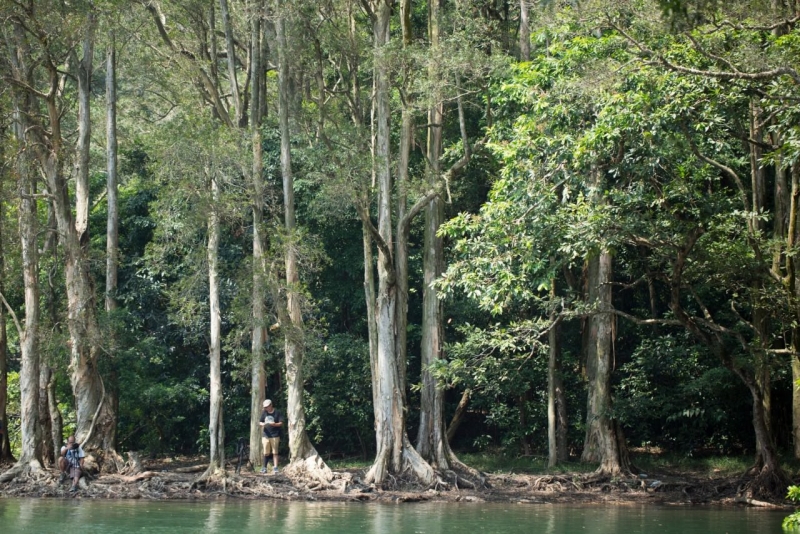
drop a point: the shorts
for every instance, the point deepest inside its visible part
(270, 445)
(74, 472)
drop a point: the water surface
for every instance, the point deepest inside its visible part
(65, 516)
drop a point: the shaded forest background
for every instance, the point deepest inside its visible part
(616, 186)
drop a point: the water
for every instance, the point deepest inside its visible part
(241, 517)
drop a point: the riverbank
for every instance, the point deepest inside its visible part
(175, 479)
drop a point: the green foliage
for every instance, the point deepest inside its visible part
(792, 521)
(338, 410)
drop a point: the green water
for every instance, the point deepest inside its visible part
(241, 517)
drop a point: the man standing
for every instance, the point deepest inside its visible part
(71, 463)
(271, 421)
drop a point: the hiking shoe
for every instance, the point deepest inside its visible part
(73, 489)
(274, 470)
(62, 478)
(263, 470)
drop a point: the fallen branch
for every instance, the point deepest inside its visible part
(761, 504)
(132, 478)
(191, 469)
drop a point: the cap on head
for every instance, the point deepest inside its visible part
(267, 403)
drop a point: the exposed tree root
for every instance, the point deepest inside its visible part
(191, 469)
(767, 484)
(311, 470)
(465, 474)
(23, 469)
(214, 476)
(133, 466)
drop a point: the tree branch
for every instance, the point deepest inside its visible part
(720, 75)
(13, 316)
(376, 235)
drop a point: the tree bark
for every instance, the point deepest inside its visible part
(432, 438)
(82, 198)
(258, 374)
(394, 451)
(48, 448)
(305, 461)
(554, 352)
(458, 416)
(5, 444)
(112, 222)
(216, 429)
(602, 442)
(524, 31)
(31, 456)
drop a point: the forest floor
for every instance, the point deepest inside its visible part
(174, 478)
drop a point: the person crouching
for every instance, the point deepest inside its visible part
(70, 463)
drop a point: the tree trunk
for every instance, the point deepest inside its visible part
(458, 416)
(561, 412)
(56, 422)
(602, 443)
(216, 429)
(231, 55)
(305, 461)
(48, 448)
(5, 444)
(554, 350)
(795, 395)
(96, 420)
(524, 31)
(82, 199)
(431, 441)
(258, 374)
(369, 295)
(394, 451)
(31, 456)
(112, 224)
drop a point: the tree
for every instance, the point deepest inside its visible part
(395, 452)
(30, 460)
(305, 461)
(95, 417)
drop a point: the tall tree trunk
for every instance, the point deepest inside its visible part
(305, 461)
(554, 350)
(602, 442)
(258, 374)
(562, 424)
(5, 444)
(369, 295)
(432, 438)
(216, 429)
(112, 220)
(96, 420)
(31, 456)
(394, 451)
(112, 224)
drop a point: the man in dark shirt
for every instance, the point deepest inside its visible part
(271, 421)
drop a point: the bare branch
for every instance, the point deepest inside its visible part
(20, 331)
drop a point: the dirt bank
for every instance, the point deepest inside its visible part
(174, 479)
